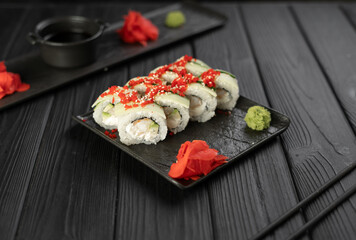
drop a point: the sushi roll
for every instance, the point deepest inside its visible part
(180, 67)
(187, 64)
(226, 87)
(140, 83)
(167, 99)
(164, 73)
(140, 123)
(202, 99)
(175, 107)
(104, 114)
(196, 67)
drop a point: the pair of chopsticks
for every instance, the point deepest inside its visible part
(265, 231)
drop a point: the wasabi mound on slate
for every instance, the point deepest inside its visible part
(258, 118)
(175, 19)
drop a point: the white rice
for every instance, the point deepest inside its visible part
(109, 123)
(208, 98)
(132, 115)
(228, 83)
(167, 100)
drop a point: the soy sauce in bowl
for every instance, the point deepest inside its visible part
(67, 37)
(67, 42)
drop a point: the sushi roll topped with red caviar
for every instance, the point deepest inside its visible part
(140, 83)
(179, 68)
(171, 95)
(175, 106)
(225, 85)
(104, 113)
(202, 99)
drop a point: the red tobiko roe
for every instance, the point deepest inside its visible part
(209, 77)
(194, 159)
(137, 29)
(10, 82)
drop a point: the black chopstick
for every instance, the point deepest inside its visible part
(304, 202)
(323, 213)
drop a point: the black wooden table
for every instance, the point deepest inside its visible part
(60, 181)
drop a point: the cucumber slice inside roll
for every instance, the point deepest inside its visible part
(108, 107)
(106, 115)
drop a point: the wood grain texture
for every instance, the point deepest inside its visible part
(23, 129)
(59, 181)
(72, 193)
(350, 12)
(333, 40)
(11, 20)
(245, 198)
(296, 85)
(147, 200)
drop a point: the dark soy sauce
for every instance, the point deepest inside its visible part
(67, 37)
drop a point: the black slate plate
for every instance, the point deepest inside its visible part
(226, 133)
(43, 78)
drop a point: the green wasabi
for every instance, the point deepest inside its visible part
(258, 118)
(175, 19)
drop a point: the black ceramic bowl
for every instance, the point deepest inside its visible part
(67, 42)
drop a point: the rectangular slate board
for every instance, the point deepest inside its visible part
(111, 50)
(227, 133)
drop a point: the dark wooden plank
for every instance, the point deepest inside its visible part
(149, 207)
(349, 9)
(21, 130)
(11, 20)
(245, 198)
(72, 193)
(333, 40)
(319, 142)
(73, 190)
